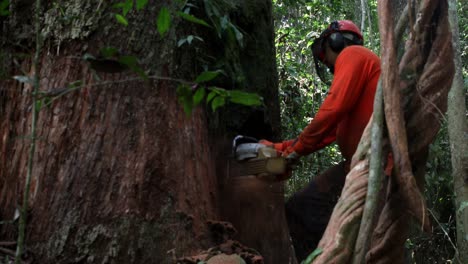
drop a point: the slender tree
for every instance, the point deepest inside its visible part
(457, 127)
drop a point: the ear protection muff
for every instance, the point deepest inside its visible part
(336, 41)
(336, 38)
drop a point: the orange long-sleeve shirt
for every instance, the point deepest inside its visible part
(348, 106)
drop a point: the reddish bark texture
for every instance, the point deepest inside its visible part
(121, 174)
(415, 96)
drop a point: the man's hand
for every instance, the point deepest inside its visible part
(278, 146)
(291, 156)
(280, 150)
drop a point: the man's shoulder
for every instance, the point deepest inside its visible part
(356, 52)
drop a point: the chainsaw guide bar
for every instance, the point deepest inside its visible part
(255, 159)
(260, 166)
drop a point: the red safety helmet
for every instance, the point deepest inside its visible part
(338, 35)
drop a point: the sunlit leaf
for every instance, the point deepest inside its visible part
(164, 21)
(121, 19)
(24, 79)
(181, 42)
(17, 214)
(193, 19)
(189, 39)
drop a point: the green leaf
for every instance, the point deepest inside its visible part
(189, 39)
(23, 79)
(141, 4)
(312, 256)
(125, 6)
(121, 19)
(206, 76)
(199, 95)
(47, 101)
(249, 99)
(164, 21)
(210, 96)
(193, 19)
(217, 102)
(185, 98)
(238, 34)
(132, 63)
(4, 8)
(39, 104)
(108, 52)
(219, 91)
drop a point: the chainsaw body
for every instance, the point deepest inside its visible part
(254, 159)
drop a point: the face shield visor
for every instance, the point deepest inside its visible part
(324, 72)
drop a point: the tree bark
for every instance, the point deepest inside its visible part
(457, 127)
(121, 174)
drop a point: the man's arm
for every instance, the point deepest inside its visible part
(344, 92)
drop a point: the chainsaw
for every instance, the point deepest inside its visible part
(254, 159)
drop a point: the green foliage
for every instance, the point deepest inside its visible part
(191, 97)
(121, 19)
(207, 76)
(193, 19)
(437, 248)
(188, 96)
(164, 21)
(141, 4)
(125, 6)
(4, 4)
(463, 30)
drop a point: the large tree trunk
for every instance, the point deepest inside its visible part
(121, 174)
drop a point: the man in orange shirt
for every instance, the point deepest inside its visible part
(342, 117)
